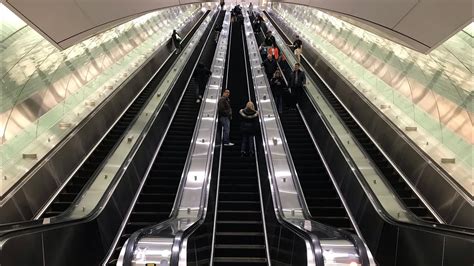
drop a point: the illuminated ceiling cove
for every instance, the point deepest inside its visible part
(420, 25)
(67, 22)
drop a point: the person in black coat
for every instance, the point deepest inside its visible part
(297, 82)
(201, 75)
(269, 39)
(277, 84)
(248, 128)
(176, 39)
(270, 66)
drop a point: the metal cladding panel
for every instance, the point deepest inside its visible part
(383, 12)
(419, 25)
(434, 21)
(67, 22)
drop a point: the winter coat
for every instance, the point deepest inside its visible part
(277, 85)
(201, 74)
(269, 41)
(270, 66)
(249, 122)
(224, 108)
(273, 51)
(297, 83)
(176, 39)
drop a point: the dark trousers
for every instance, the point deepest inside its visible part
(279, 102)
(247, 144)
(297, 93)
(201, 86)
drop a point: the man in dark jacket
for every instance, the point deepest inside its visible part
(248, 128)
(201, 75)
(270, 66)
(269, 39)
(297, 82)
(225, 115)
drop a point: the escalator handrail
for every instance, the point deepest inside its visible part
(155, 230)
(438, 228)
(38, 225)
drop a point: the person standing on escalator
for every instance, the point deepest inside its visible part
(201, 75)
(270, 65)
(273, 51)
(298, 46)
(269, 39)
(277, 85)
(176, 39)
(225, 115)
(297, 82)
(248, 129)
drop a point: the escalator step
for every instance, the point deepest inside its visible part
(230, 261)
(229, 215)
(239, 226)
(229, 250)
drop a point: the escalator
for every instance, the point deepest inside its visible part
(156, 198)
(80, 178)
(83, 175)
(321, 197)
(399, 185)
(239, 229)
(394, 178)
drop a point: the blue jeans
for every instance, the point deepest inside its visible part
(247, 144)
(225, 122)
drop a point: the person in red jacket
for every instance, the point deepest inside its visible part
(274, 52)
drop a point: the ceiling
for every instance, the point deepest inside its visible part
(420, 25)
(67, 22)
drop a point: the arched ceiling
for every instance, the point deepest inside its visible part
(419, 24)
(67, 22)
